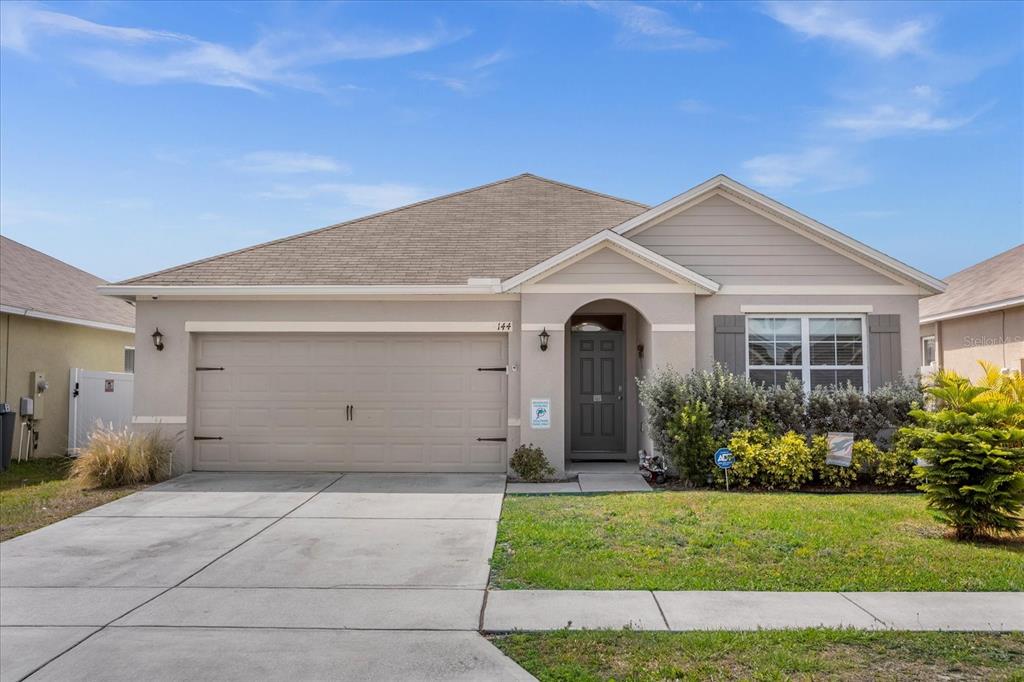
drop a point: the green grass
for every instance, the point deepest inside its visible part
(37, 493)
(702, 540)
(767, 655)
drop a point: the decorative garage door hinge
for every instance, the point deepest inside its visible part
(209, 369)
(496, 440)
(207, 437)
(492, 369)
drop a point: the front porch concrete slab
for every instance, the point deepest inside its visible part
(69, 605)
(161, 654)
(553, 488)
(963, 611)
(362, 609)
(120, 552)
(760, 610)
(220, 494)
(613, 483)
(23, 649)
(298, 552)
(577, 610)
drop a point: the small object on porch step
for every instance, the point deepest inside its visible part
(653, 466)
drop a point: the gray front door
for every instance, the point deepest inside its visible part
(598, 393)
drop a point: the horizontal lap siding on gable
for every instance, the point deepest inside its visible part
(730, 244)
(603, 267)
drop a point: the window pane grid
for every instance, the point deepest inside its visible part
(817, 350)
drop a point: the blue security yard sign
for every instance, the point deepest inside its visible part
(724, 460)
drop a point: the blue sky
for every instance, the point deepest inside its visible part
(136, 136)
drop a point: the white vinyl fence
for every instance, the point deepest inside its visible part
(97, 397)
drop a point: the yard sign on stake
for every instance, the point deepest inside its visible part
(724, 459)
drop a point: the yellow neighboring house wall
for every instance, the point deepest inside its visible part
(997, 337)
(30, 344)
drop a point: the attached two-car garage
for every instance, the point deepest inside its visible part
(350, 402)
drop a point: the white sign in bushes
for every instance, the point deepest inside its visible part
(840, 449)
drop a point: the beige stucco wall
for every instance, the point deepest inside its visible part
(997, 337)
(721, 304)
(163, 387)
(543, 373)
(30, 344)
(675, 328)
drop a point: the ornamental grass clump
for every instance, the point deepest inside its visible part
(973, 449)
(120, 457)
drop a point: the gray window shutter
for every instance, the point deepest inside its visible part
(730, 336)
(885, 351)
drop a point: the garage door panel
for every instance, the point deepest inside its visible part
(419, 402)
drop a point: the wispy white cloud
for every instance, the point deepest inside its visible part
(376, 197)
(287, 163)
(884, 120)
(146, 56)
(843, 23)
(650, 28)
(820, 169)
(468, 77)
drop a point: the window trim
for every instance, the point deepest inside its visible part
(125, 357)
(805, 346)
(935, 348)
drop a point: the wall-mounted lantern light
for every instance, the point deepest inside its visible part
(158, 339)
(544, 336)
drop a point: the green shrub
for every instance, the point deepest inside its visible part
(895, 467)
(693, 446)
(735, 403)
(769, 461)
(660, 396)
(530, 464)
(874, 416)
(974, 449)
(786, 409)
(115, 458)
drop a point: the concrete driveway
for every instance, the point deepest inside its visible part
(260, 576)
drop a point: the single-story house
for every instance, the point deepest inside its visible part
(441, 335)
(53, 319)
(979, 317)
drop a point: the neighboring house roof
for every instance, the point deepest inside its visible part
(37, 285)
(493, 231)
(992, 284)
(784, 215)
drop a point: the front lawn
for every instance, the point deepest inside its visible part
(787, 654)
(705, 540)
(37, 493)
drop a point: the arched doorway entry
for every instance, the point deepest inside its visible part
(604, 353)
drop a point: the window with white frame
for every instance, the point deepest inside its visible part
(817, 350)
(928, 350)
(129, 359)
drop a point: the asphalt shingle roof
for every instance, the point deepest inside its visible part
(31, 280)
(997, 279)
(496, 230)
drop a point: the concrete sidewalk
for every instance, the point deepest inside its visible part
(508, 610)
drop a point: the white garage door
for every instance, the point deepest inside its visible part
(350, 402)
